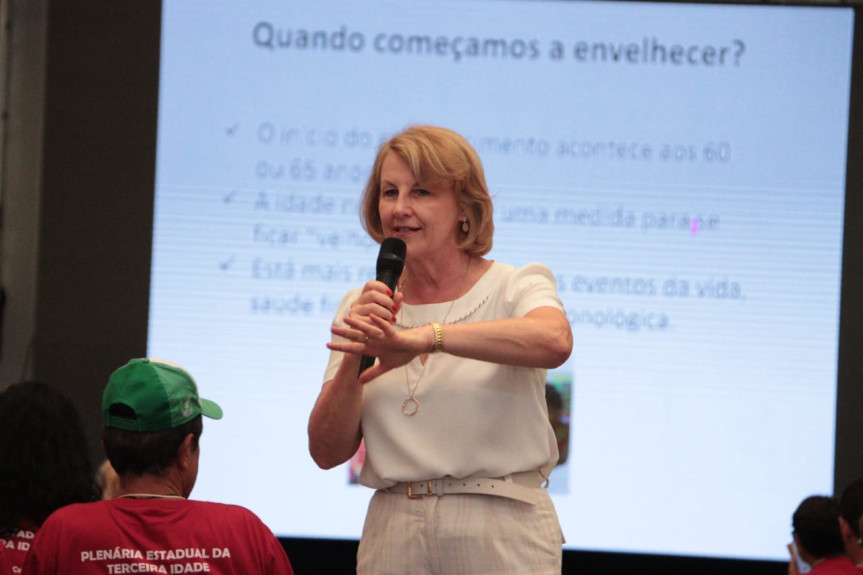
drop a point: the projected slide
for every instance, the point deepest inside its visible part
(681, 169)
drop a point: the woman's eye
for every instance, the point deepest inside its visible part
(421, 192)
(389, 192)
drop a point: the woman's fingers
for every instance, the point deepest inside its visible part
(369, 327)
(365, 329)
(355, 337)
(376, 299)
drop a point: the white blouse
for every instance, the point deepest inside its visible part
(475, 418)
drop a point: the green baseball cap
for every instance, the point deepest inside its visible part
(153, 395)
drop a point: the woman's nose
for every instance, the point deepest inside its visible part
(402, 206)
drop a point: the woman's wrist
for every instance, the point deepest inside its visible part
(437, 338)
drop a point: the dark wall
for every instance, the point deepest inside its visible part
(97, 197)
(96, 218)
(849, 400)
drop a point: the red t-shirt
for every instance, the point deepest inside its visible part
(836, 566)
(13, 549)
(5, 567)
(155, 536)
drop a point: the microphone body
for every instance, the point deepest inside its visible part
(391, 262)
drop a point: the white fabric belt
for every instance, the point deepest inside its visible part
(520, 486)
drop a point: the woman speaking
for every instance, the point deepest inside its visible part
(453, 413)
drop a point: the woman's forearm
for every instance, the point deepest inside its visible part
(334, 424)
(542, 338)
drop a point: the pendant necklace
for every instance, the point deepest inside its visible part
(411, 405)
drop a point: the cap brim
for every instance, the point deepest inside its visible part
(210, 409)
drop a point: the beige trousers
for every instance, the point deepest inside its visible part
(460, 535)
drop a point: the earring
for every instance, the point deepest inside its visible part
(465, 226)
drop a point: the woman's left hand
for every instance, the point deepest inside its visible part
(392, 347)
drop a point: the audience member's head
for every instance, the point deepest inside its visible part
(152, 422)
(44, 456)
(816, 528)
(851, 512)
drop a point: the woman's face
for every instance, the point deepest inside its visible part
(425, 217)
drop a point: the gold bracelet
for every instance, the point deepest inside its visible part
(438, 338)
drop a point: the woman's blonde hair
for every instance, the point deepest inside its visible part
(436, 154)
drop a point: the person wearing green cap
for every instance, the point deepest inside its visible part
(152, 417)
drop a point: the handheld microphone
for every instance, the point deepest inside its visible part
(391, 262)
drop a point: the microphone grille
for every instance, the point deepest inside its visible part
(391, 258)
(394, 247)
